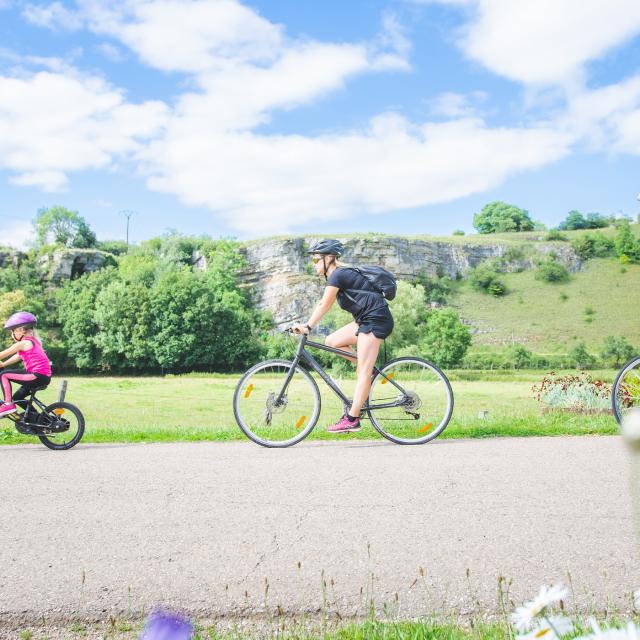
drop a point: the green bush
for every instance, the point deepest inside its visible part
(436, 289)
(551, 271)
(627, 246)
(486, 278)
(556, 235)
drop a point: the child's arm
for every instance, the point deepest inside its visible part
(11, 360)
(16, 347)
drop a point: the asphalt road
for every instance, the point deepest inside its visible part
(232, 529)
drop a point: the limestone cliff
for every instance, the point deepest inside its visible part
(278, 267)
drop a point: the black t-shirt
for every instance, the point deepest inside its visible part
(365, 303)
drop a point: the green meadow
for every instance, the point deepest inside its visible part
(199, 407)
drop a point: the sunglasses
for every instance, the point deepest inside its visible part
(315, 260)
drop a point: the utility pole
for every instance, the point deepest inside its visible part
(128, 213)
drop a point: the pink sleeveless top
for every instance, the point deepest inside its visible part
(35, 360)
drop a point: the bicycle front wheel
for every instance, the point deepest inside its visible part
(421, 399)
(271, 414)
(626, 389)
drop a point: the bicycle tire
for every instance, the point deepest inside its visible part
(615, 390)
(52, 444)
(374, 415)
(242, 421)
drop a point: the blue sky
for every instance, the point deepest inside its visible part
(248, 119)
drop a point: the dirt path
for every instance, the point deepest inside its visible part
(224, 529)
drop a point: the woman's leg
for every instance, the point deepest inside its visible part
(368, 347)
(343, 339)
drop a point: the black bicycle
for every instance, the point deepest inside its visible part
(277, 402)
(59, 425)
(626, 389)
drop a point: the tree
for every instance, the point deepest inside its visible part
(500, 217)
(76, 307)
(122, 317)
(626, 243)
(518, 357)
(616, 350)
(410, 316)
(446, 339)
(580, 357)
(62, 226)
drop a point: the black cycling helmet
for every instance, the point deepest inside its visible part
(327, 247)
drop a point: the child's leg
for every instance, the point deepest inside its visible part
(7, 377)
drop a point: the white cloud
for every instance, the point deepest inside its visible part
(546, 41)
(18, 235)
(111, 52)
(456, 105)
(191, 36)
(268, 183)
(608, 119)
(209, 151)
(54, 16)
(53, 123)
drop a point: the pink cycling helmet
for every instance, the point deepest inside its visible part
(21, 319)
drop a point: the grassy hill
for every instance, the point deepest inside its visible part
(598, 301)
(601, 299)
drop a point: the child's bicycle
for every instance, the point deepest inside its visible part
(626, 389)
(59, 425)
(277, 402)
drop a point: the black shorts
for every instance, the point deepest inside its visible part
(380, 324)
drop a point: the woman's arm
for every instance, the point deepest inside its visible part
(328, 298)
(11, 360)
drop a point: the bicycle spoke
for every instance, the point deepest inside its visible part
(271, 414)
(423, 403)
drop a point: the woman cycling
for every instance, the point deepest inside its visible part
(372, 321)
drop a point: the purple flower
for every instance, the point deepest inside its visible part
(163, 625)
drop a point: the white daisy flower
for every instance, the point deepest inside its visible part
(523, 618)
(550, 628)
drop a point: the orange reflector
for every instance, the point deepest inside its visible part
(387, 378)
(426, 427)
(58, 412)
(300, 422)
(247, 393)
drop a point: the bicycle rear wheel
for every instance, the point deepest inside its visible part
(265, 419)
(626, 389)
(423, 398)
(63, 424)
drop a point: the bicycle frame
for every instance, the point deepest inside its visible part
(303, 354)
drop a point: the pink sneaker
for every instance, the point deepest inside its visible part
(344, 425)
(6, 409)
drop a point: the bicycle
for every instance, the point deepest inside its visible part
(59, 425)
(625, 394)
(277, 402)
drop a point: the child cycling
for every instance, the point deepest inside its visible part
(28, 348)
(372, 321)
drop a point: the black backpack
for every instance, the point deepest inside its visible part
(380, 279)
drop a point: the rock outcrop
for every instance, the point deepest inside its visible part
(67, 264)
(278, 268)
